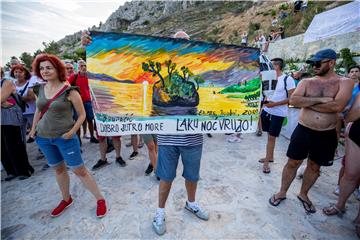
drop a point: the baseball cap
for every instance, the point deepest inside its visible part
(322, 54)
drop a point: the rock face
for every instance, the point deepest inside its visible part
(163, 18)
(295, 48)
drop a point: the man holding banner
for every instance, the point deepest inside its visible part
(189, 146)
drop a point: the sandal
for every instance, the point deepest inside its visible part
(276, 201)
(258, 133)
(262, 160)
(266, 170)
(333, 210)
(308, 206)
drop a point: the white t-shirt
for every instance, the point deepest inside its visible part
(279, 95)
(31, 107)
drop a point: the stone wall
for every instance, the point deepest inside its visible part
(293, 47)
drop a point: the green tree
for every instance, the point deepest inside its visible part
(27, 59)
(51, 47)
(37, 52)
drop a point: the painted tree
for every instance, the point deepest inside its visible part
(155, 69)
(186, 73)
(198, 79)
(170, 68)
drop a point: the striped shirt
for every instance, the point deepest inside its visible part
(180, 140)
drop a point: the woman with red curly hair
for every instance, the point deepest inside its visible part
(55, 129)
(24, 88)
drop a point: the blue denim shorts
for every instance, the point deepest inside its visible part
(88, 110)
(168, 158)
(56, 150)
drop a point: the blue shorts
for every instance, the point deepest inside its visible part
(271, 123)
(168, 158)
(88, 110)
(56, 150)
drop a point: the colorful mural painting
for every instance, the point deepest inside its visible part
(145, 84)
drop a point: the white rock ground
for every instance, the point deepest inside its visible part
(232, 188)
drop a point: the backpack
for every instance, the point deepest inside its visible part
(21, 103)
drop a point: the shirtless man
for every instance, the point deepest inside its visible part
(320, 98)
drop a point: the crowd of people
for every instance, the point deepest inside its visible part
(53, 103)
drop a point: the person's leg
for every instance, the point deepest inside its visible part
(84, 127)
(288, 175)
(6, 158)
(351, 177)
(117, 146)
(164, 190)
(166, 170)
(152, 153)
(17, 149)
(134, 142)
(91, 127)
(102, 148)
(191, 190)
(63, 180)
(270, 146)
(341, 174)
(191, 158)
(311, 174)
(88, 181)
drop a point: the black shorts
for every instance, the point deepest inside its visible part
(318, 146)
(271, 123)
(354, 133)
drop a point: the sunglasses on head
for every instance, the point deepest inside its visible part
(318, 63)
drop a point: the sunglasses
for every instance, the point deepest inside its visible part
(318, 63)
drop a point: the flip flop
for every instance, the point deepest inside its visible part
(266, 170)
(262, 160)
(307, 206)
(276, 201)
(333, 210)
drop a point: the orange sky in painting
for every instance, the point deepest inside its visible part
(125, 65)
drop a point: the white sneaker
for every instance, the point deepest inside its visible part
(158, 223)
(234, 138)
(357, 194)
(87, 136)
(337, 190)
(197, 210)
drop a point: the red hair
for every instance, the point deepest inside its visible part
(54, 60)
(21, 68)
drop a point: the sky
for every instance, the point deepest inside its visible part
(26, 24)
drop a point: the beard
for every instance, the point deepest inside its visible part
(323, 71)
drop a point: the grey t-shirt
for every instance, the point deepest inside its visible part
(58, 119)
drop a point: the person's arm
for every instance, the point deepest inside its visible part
(298, 99)
(342, 97)
(283, 102)
(30, 96)
(354, 112)
(35, 122)
(77, 103)
(6, 89)
(85, 38)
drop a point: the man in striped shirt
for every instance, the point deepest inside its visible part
(171, 147)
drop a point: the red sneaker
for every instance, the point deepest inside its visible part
(61, 207)
(101, 208)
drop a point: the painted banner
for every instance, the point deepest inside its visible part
(143, 84)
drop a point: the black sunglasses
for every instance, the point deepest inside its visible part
(318, 63)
